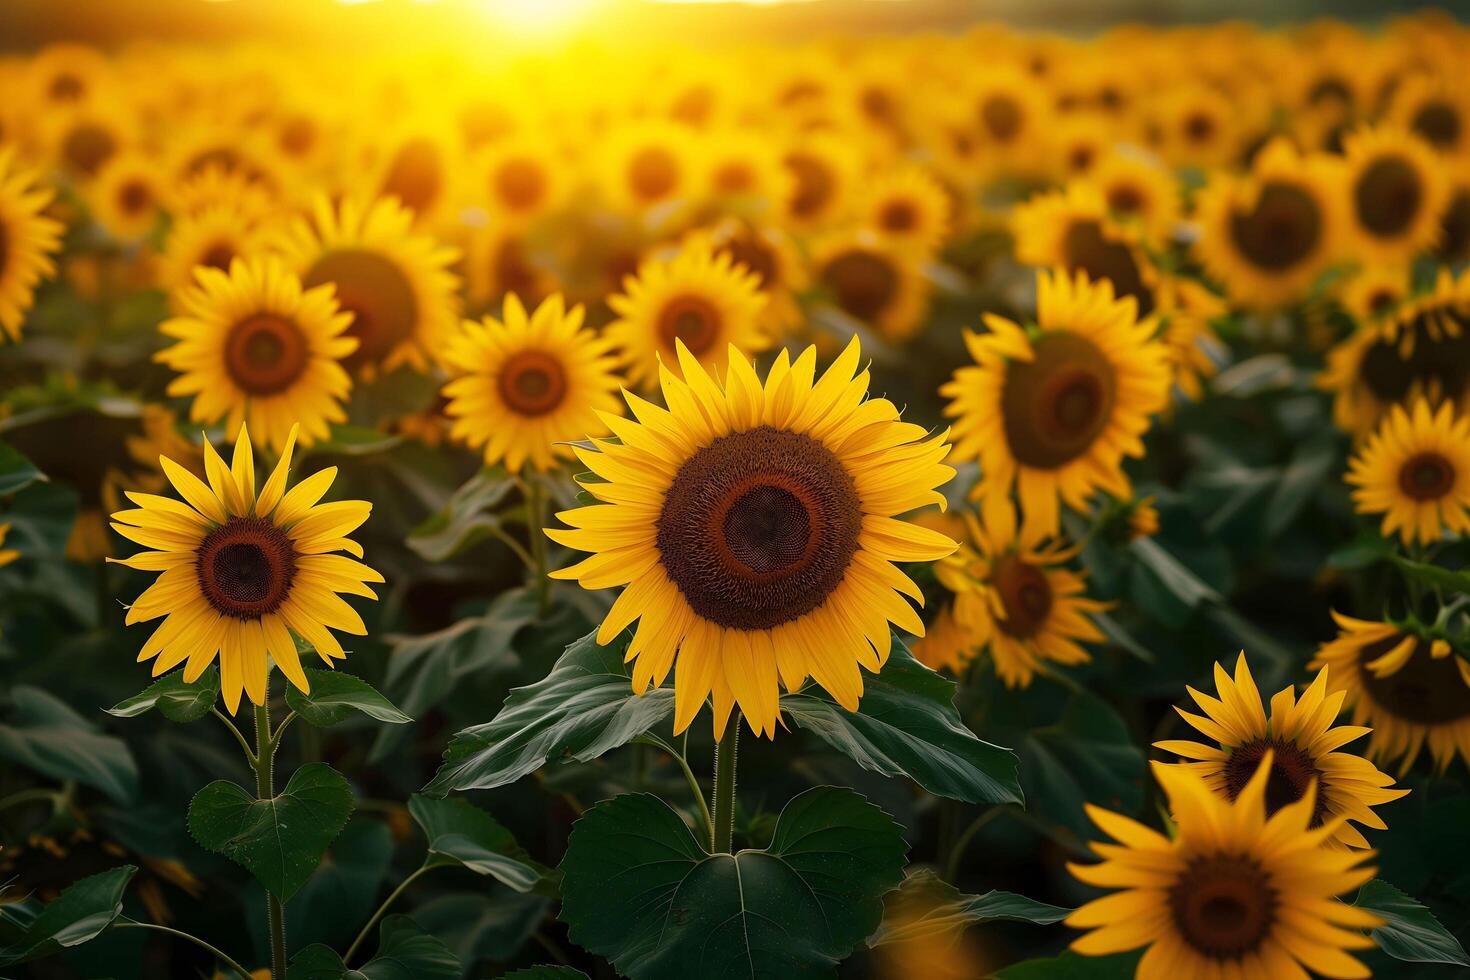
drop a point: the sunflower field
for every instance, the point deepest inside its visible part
(916, 505)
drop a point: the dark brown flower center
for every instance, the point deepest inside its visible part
(862, 282)
(1001, 117)
(416, 175)
(520, 184)
(815, 184)
(898, 216)
(1330, 89)
(1387, 195)
(265, 354)
(1081, 158)
(66, 87)
(1438, 365)
(758, 258)
(1425, 690)
(1055, 405)
(532, 383)
(218, 255)
(1125, 199)
(1086, 248)
(245, 567)
(758, 528)
(1025, 594)
(1224, 905)
(513, 271)
(87, 147)
(376, 292)
(134, 197)
(1199, 127)
(692, 319)
(297, 136)
(1292, 771)
(1282, 230)
(1439, 123)
(653, 173)
(1426, 476)
(734, 177)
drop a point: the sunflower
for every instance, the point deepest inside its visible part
(1080, 142)
(28, 241)
(648, 164)
(1454, 223)
(743, 172)
(254, 345)
(66, 74)
(81, 139)
(501, 259)
(1415, 471)
(1409, 687)
(773, 258)
(1422, 349)
(824, 177)
(215, 185)
(946, 645)
(529, 385)
(1198, 127)
(1234, 894)
(1303, 742)
(1139, 192)
(700, 299)
(241, 572)
(872, 281)
(521, 178)
(1073, 230)
(754, 527)
(416, 167)
(245, 155)
(1186, 309)
(1015, 598)
(1053, 409)
(909, 208)
(212, 237)
(395, 281)
(1268, 235)
(1397, 192)
(1012, 118)
(127, 195)
(1375, 291)
(1434, 109)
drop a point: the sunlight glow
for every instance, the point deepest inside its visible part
(537, 17)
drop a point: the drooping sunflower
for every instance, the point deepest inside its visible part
(909, 208)
(28, 241)
(528, 385)
(1415, 471)
(875, 282)
(1303, 742)
(1411, 688)
(1397, 191)
(1052, 410)
(254, 345)
(127, 195)
(1073, 230)
(241, 571)
(1267, 235)
(754, 526)
(1017, 600)
(394, 281)
(701, 299)
(1234, 894)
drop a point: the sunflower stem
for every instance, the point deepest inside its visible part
(722, 820)
(392, 897)
(265, 789)
(244, 745)
(535, 492)
(125, 923)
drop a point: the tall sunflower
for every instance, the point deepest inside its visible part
(1397, 191)
(28, 241)
(700, 298)
(1415, 471)
(529, 385)
(754, 526)
(242, 571)
(1051, 410)
(1303, 743)
(395, 281)
(253, 345)
(1411, 688)
(1234, 894)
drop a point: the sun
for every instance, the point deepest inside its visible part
(536, 18)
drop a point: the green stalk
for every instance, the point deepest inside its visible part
(265, 789)
(535, 492)
(722, 820)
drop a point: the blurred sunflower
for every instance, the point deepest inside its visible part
(501, 259)
(648, 164)
(1012, 117)
(1185, 309)
(28, 241)
(824, 177)
(945, 645)
(754, 527)
(241, 571)
(415, 166)
(1454, 223)
(700, 299)
(1397, 192)
(1139, 192)
(743, 173)
(1411, 689)
(772, 257)
(1073, 230)
(527, 386)
(67, 74)
(1375, 291)
(1415, 471)
(1267, 236)
(907, 207)
(1198, 127)
(254, 345)
(245, 155)
(394, 281)
(872, 281)
(1080, 141)
(1052, 409)
(1303, 743)
(1015, 599)
(522, 178)
(127, 196)
(1436, 110)
(1234, 894)
(212, 237)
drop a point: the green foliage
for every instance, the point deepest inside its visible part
(16, 472)
(1409, 931)
(468, 518)
(175, 700)
(43, 733)
(405, 952)
(335, 696)
(78, 915)
(1074, 966)
(461, 834)
(926, 905)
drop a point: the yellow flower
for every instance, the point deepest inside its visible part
(1415, 471)
(1073, 230)
(521, 179)
(7, 555)
(1139, 192)
(754, 527)
(241, 571)
(529, 385)
(28, 241)
(127, 195)
(908, 208)
(1376, 290)
(875, 282)
(1397, 192)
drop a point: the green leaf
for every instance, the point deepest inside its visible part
(927, 905)
(906, 725)
(546, 973)
(406, 952)
(1363, 551)
(580, 710)
(335, 696)
(319, 962)
(1312, 462)
(462, 834)
(490, 924)
(642, 892)
(16, 472)
(1074, 966)
(174, 699)
(1434, 577)
(355, 440)
(467, 519)
(1409, 931)
(1180, 582)
(281, 840)
(78, 915)
(43, 733)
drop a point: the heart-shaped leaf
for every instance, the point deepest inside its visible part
(78, 914)
(906, 725)
(43, 733)
(1410, 931)
(174, 699)
(642, 892)
(405, 952)
(281, 840)
(460, 833)
(927, 905)
(335, 696)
